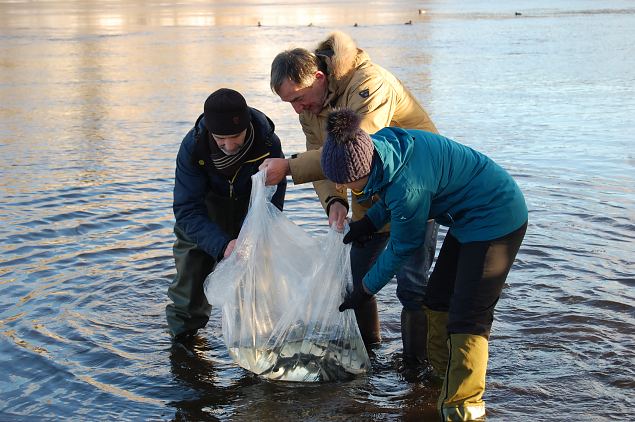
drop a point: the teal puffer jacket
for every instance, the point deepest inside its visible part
(417, 175)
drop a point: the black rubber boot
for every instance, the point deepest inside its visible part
(414, 334)
(185, 337)
(368, 322)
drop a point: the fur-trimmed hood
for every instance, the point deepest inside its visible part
(354, 82)
(340, 54)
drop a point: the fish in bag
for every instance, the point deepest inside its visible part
(279, 292)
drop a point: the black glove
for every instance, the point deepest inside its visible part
(360, 230)
(355, 299)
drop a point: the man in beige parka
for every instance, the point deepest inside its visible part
(338, 74)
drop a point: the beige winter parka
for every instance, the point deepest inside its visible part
(366, 88)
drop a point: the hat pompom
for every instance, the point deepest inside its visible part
(343, 125)
(347, 154)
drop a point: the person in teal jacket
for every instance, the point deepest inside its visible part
(414, 175)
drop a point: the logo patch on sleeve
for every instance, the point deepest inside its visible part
(364, 93)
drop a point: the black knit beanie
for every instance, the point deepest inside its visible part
(226, 112)
(347, 154)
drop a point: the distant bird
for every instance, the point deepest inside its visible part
(355, 25)
(259, 24)
(421, 11)
(408, 23)
(517, 13)
(310, 24)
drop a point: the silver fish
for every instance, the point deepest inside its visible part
(306, 361)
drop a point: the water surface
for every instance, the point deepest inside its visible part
(96, 97)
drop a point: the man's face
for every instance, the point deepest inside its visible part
(310, 98)
(230, 144)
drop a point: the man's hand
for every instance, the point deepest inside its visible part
(277, 169)
(337, 215)
(356, 298)
(230, 248)
(360, 230)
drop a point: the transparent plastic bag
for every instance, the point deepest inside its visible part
(279, 292)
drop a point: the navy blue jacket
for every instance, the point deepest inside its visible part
(209, 206)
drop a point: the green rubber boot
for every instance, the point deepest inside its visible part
(189, 309)
(437, 341)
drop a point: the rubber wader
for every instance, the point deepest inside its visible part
(437, 341)
(368, 322)
(414, 333)
(464, 383)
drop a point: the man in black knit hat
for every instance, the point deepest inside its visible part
(212, 187)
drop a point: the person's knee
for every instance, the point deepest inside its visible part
(479, 324)
(411, 299)
(437, 297)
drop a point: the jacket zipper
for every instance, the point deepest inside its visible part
(231, 182)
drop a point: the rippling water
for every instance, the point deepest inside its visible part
(96, 97)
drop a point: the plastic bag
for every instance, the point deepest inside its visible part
(279, 292)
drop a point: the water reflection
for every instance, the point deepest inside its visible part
(206, 398)
(118, 17)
